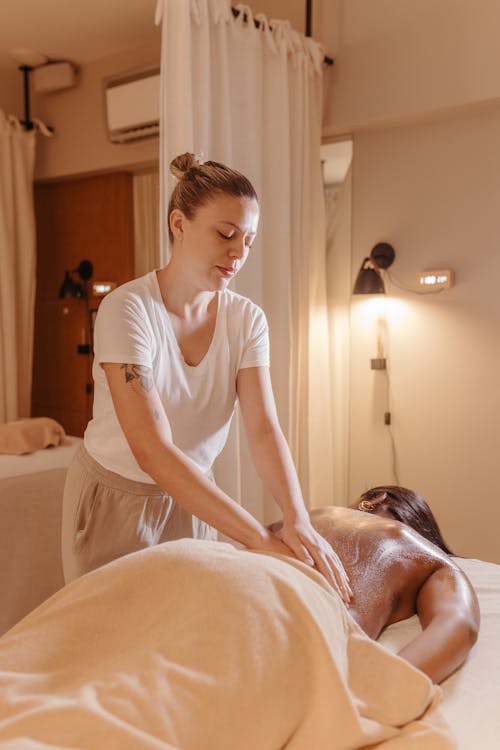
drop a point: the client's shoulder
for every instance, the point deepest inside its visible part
(356, 520)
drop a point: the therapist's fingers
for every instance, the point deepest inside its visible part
(313, 549)
(330, 565)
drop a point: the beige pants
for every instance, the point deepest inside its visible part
(106, 516)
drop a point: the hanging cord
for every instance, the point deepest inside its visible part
(390, 401)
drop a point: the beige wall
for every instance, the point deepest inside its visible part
(80, 144)
(401, 59)
(293, 10)
(433, 191)
(11, 94)
(417, 86)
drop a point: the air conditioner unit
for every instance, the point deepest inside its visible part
(132, 105)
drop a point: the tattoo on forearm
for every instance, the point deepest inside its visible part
(140, 374)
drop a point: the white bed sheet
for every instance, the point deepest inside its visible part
(31, 488)
(471, 696)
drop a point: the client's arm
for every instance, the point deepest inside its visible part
(449, 614)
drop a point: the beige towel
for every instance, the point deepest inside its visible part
(28, 435)
(194, 645)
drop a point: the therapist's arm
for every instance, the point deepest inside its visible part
(273, 461)
(146, 427)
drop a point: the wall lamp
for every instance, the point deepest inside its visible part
(72, 288)
(369, 279)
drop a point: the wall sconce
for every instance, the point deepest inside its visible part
(369, 279)
(72, 288)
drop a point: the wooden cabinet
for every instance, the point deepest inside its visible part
(88, 218)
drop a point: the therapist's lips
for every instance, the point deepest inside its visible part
(228, 273)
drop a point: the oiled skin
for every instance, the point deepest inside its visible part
(395, 573)
(386, 562)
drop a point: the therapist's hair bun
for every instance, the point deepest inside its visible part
(201, 181)
(183, 163)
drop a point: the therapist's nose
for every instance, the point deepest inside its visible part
(238, 249)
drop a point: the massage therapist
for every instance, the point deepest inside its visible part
(174, 350)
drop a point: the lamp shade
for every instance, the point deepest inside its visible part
(369, 280)
(84, 270)
(70, 288)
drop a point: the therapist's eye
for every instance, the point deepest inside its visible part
(225, 236)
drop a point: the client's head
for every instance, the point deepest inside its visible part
(405, 506)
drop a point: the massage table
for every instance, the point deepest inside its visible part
(31, 488)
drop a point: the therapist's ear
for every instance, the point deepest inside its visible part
(176, 222)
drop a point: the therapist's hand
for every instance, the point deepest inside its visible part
(313, 549)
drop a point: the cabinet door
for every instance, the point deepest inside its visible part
(88, 218)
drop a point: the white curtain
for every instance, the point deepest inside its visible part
(17, 267)
(252, 98)
(146, 192)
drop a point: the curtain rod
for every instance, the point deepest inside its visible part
(236, 12)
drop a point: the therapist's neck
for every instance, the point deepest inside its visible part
(183, 293)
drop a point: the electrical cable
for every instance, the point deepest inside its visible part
(389, 401)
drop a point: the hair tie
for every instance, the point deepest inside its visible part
(369, 505)
(366, 505)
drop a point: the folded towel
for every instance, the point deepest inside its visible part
(28, 435)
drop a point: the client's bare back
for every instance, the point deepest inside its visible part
(386, 561)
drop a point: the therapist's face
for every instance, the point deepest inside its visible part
(213, 246)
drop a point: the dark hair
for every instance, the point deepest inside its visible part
(407, 507)
(199, 182)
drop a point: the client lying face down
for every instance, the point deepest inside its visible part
(397, 571)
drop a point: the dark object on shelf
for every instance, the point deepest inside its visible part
(72, 288)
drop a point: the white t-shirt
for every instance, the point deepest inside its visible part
(133, 327)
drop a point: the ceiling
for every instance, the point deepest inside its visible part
(75, 30)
